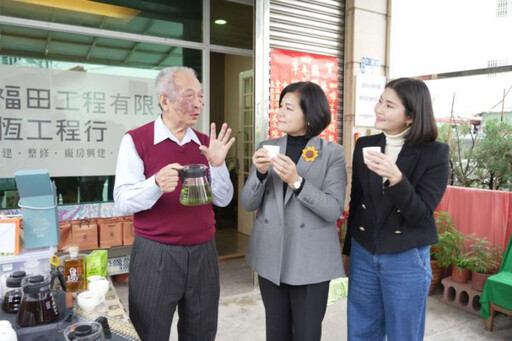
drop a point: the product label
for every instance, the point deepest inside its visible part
(73, 276)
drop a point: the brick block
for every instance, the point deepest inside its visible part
(461, 295)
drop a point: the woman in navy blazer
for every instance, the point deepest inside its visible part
(391, 216)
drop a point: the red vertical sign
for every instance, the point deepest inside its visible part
(289, 67)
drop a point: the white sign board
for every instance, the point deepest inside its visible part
(368, 91)
(370, 66)
(70, 122)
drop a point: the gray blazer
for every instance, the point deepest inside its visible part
(294, 241)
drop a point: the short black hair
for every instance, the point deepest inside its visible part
(314, 105)
(416, 99)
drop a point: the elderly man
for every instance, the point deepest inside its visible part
(174, 257)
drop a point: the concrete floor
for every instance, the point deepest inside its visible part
(242, 317)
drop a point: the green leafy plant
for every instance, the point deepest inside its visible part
(484, 257)
(451, 248)
(479, 158)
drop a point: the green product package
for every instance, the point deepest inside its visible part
(97, 263)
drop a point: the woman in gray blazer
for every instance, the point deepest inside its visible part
(298, 196)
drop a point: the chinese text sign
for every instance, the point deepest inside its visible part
(289, 67)
(70, 122)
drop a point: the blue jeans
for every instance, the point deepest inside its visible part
(387, 294)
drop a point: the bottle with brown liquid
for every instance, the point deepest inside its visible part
(12, 297)
(74, 271)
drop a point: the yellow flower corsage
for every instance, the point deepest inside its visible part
(310, 154)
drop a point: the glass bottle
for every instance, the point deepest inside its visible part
(74, 270)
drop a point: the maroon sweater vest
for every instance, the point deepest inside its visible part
(168, 221)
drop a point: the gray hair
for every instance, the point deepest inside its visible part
(165, 81)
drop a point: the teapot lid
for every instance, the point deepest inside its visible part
(83, 330)
(194, 171)
(14, 280)
(35, 284)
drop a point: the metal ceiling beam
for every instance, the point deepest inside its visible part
(30, 40)
(231, 50)
(89, 31)
(76, 59)
(165, 56)
(95, 32)
(49, 38)
(93, 45)
(48, 41)
(134, 48)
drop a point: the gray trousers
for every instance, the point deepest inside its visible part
(164, 276)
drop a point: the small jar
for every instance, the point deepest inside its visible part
(12, 297)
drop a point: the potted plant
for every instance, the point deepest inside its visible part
(449, 239)
(442, 253)
(485, 259)
(461, 263)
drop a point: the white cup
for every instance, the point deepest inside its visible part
(367, 149)
(98, 283)
(7, 333)
(88, 300)
(272, 150)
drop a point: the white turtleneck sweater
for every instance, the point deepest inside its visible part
(394, 145)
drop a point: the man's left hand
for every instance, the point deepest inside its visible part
(219, 145)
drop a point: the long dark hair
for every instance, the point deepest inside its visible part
(314, 105)
(416, 99)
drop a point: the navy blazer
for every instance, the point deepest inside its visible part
(386, 219)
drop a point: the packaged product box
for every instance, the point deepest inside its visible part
(97, 263)
(85, 234)
(111, 232)
(66, 237)
(38, 202)
(128, 233)
(9, 236)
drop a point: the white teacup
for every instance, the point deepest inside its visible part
(89, 299)
(98, 283)
(367, 149)
(272, 150)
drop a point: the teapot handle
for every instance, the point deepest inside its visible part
(57, 274)
(181, 173)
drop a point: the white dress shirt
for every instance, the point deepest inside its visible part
(134, 193)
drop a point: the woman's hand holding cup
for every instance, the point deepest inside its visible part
(262, 158)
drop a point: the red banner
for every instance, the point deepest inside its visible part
(289, 67)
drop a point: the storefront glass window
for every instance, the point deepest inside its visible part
(231, 23)
(66, 100)
(178, 19)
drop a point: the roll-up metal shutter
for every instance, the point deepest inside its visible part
(313, 26)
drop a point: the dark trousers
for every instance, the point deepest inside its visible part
(294, 312)
(164, 276)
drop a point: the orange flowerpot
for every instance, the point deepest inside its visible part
(478, 280)
(436, 276)
(460, 275)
